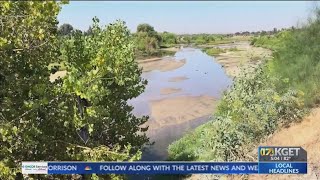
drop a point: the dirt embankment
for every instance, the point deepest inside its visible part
(239, 55)
(305, 134)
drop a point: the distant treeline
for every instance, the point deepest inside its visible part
(149, 42)
(260, 33)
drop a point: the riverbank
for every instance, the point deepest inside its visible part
(269, 103)
(234, 56)
(304, 133)
(170, 118)
(157, 54)
(252, 98)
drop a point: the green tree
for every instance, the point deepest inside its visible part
(275, 30)
(146, 28)
(65, 29)
(88, 32)
(84, 116)
(146, 43)
(185, 39)
(168, 38)
(103, 74)
(27, 46)
(200, 39)
(147, 39)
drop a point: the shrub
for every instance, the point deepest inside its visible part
(214, 51)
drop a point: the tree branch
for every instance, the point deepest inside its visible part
(25, 49)
(85, 147)
(29, 111)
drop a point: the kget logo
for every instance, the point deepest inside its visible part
(279, 151)
(266, 151)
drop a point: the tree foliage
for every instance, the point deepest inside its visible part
(146, 28)
(27, 46)
(83, 116)
(169, 38)
(65, 29)
(102, 72)
(147, 39)
(88, 32)
(200, 38)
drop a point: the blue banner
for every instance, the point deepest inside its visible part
(152, 168)
(283, 168)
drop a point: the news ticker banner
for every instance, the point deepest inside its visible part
(272, 160)
(140, 167)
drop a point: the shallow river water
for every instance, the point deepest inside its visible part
(202, 75)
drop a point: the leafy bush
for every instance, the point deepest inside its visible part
(253, 41)
(214, 51)
(168, 39)
(147, 39)
(273, 42)
(296, 58)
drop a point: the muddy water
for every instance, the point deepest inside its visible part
(199, 76)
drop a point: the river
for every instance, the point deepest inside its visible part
(179, 100)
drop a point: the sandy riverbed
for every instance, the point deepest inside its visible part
(178, 79)
(166, 91)
(161, 64)
(172, 49)
(176, 110)
(245, 56)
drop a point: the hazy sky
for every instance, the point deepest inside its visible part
(189, 17)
